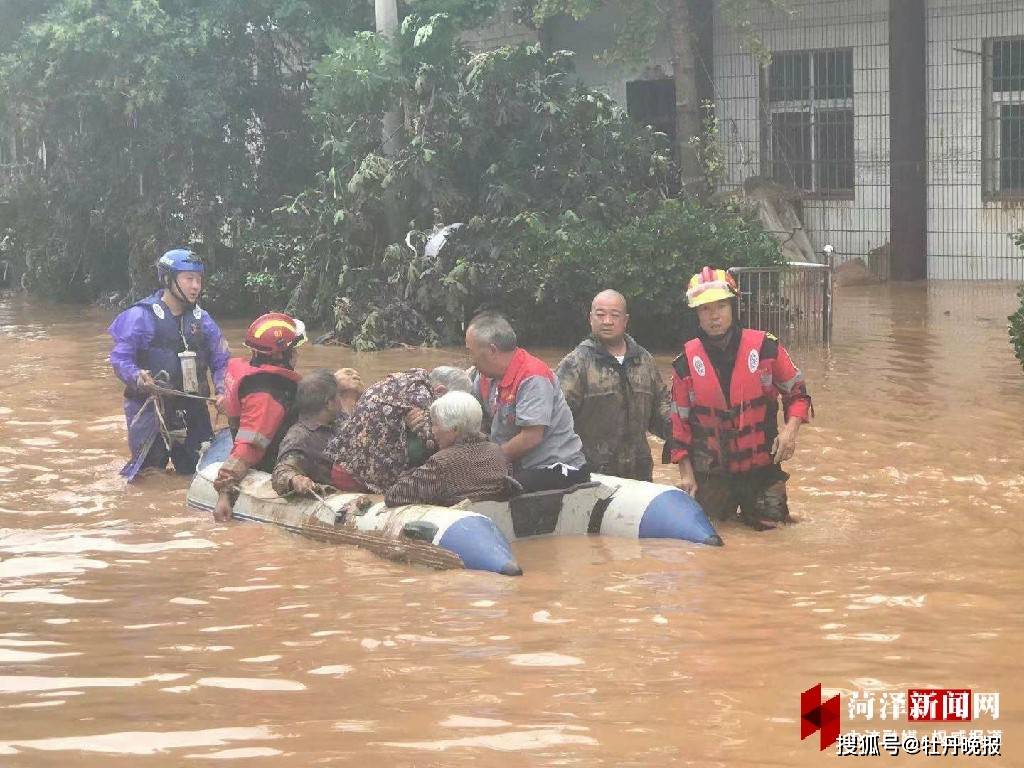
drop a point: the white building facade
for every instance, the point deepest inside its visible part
(901, 122)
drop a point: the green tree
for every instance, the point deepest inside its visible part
(1016, 328)
(158, 122)
(560, 192)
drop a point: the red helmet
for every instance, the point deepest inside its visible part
(275, 333)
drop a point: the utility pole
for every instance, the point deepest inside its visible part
(386, 13)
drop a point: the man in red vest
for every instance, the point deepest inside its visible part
(725, 391)
(258, 398)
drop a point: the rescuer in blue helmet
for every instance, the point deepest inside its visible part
(164, 342)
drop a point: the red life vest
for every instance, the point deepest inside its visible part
(258, 435)
(737, 435)
(239, 370)
(522, 366)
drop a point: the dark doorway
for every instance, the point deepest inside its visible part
(653, 103)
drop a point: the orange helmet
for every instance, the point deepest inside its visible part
(710, 285)
(275, 333)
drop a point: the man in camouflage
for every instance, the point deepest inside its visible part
(615, 392)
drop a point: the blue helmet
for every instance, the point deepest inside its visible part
(178, 260)
(171, 263)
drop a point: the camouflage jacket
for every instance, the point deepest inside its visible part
(614, 406)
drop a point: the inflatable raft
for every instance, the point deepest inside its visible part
(478, 533)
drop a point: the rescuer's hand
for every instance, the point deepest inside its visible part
(219, 404)
(785, 444)
(687, 481)
(302, 485)
(145, 382)
(222, 512)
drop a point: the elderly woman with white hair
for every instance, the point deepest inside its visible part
(466, 465)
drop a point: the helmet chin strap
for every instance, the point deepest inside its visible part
(175, 289)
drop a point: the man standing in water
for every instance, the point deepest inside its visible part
(615, 392)
(166, 339)
(725, 439)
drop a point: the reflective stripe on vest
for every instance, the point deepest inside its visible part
(787, 386)
(251, 436)
(735, 435)
(678, 410)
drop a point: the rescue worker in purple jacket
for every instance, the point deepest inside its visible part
(167, 340)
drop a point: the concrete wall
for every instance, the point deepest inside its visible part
(855, 226)
(968, 236)
(503, 30)
(594, 35)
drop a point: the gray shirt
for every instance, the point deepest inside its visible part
(529, 396)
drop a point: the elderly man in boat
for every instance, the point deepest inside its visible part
(530, 418)
(323, 401)
(466, 465)
(390, 429)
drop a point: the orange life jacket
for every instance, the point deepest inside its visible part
(258, 436)
(737, 435)
(238, 370)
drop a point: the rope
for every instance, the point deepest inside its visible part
(168, 392)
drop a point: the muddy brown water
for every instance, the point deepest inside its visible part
(136, 632)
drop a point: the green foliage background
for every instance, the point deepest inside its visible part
(252, 130)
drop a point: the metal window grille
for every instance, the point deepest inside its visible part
(808, 130)
(794, 301)
(938, 155)
(1003, 116)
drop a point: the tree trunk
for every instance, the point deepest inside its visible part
(684, 70)
(690, 35)
(386, 14)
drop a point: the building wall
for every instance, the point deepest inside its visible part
(853, 227)
(968, 236)
(503, 30)
(590, 38)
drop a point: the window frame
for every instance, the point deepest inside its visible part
(810, 106)
(991, 133)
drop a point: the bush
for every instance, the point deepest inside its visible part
(1017, 328)
(560, 192)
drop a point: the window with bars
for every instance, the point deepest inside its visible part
(808, 126)
(653, 103)
(1004, 118)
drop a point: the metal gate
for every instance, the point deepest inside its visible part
(793, 301)
(899, 124)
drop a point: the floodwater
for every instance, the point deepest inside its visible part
(136, 632)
